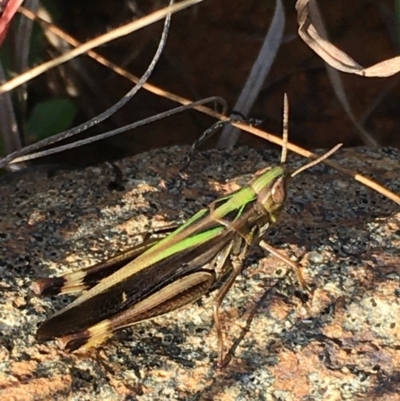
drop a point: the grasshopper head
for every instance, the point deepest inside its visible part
(270, 184)
(270, 187)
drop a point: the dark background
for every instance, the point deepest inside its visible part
(210, 51)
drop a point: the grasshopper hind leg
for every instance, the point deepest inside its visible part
(173, 296)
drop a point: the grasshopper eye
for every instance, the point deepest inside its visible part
(278, 191)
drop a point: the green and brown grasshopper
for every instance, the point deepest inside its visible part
(162, 275)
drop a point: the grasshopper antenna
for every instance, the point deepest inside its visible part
(285, 137)
(316, 161)
(285, 128)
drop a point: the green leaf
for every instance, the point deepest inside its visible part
(50, 117)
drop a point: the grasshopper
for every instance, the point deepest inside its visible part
(162, 275)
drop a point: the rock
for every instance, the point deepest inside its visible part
(340, 342)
